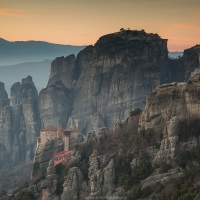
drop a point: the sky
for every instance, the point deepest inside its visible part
(82, 22)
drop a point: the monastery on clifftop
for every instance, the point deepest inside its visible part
(70, 138)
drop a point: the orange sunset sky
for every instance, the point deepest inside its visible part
(82, 22)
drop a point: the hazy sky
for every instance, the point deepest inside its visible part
(82, 22)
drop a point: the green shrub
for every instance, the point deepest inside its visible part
(127, 176)
(2, 193)
(183, 158)
(59, 188)
(164, 167)
(85, 150)
(84, 167)
(135, 193)
(24, 195)
(59, 168)
(123, 171)
(146, 138)
(189, 128)
(36, 168)
(143, 169)
(41, 174)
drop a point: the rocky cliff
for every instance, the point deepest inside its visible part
(99, 88)
(179, 70)
(169, 109)
(25, 119)
(159, 160)
(191, 60)
(55, 105)
(99, 184)
(5, 122)
(106, 80)
(19, 128)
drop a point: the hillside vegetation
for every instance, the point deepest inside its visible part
(134, 166)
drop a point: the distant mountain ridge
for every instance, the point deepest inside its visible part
(9, 74)
(175, 54)
(32, 51)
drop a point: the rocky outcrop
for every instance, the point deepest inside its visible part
(44, 153)
(191, 60)
(118, 193)
(107, 80)
(5, 120)
(55, 105)
(115, 76)
(25, 119)
(19, 128)
(179, 70)
(48, 186)
(96, 136)
(74, 187)
(166, 107)
(102, 176)
(99, 184)
(46, 189)
(65, 70)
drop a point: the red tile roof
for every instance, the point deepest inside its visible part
(57, 162)
(62, 154)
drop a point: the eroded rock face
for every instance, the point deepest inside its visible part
(73, 185)
(166, 106)
(55, 105)
(25, 119)
(47, 188)
(118, 193)
(96, 136)
(179, 70)
(115, 76)
(99, 184)
(107, 80)
(44, 153)
(5, 120)
(191, 60)
(19, 128)
(102, 176)
(65, 70)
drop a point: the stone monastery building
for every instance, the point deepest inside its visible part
(68, 136)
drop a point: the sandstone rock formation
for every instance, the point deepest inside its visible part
(20, 122)
(166, 107)
(106, 80)
(25, 119)
(55, 105)
(191, 59)
(74, 187)
(19, 128)
(5, 120)
(63, 69)
(44, 153)
(102, 176)
(46, 189)
(98, 89)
